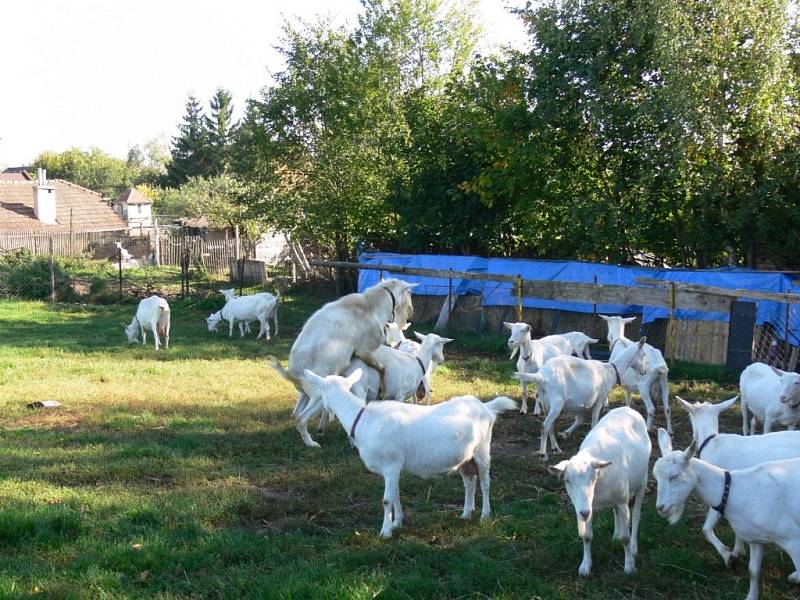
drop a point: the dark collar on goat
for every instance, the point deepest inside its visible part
(619, 381)
(355, 422)
(421, 366)
(611, 346)
(720, 508)
(394, 302)
(525, 358)
(705, 441)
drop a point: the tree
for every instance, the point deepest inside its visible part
(220, 131)
(96, 170)
(190, 151)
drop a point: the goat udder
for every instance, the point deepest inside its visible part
(469, 468)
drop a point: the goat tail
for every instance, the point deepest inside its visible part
(276, 365)
(592, 340)
(500, 404)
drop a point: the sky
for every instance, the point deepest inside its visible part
(113, 74)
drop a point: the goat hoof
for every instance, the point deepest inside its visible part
(630, 569)
(585, 570)
(385, 533)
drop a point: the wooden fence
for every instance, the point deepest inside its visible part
(213, 255)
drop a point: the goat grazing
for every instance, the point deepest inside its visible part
(405, 375)
(769, 395)
(568, 383)
(244, 309)
(533, 354)
(152, 312)
(609, 470)
(352, 326)
(393, 437)
(244, 326)
(652, 381)
(732, 452)
(758, 502)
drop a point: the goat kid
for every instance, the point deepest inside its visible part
(758, 502)
(393, 437)
(574, 385)
(769, 395)
(609, 470)
(731, 452)
(152, 312)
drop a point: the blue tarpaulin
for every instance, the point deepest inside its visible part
(502, 294)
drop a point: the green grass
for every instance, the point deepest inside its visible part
(179, 474)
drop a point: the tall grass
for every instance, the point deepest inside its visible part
(179, 474)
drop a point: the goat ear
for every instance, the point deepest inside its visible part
(558, 469)
(642, 341)
(406, 326)
(664, 441)
(446, 340)
(601, 464)
(508, 325)
(313, 378)
(687, 405)
(628, 320)
(777, 371)
(353, 378)
(690, 451)
(527, 328)
(604, 317)
(726, 404)
(419, 336)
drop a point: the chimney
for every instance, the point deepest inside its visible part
(44, 199)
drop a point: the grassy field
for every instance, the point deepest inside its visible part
(180, 475)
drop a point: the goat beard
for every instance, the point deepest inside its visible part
(514, 352)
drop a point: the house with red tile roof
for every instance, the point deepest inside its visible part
(54, 206)
(135, 208)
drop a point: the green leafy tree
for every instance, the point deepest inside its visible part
(95, 169)
(190, 149)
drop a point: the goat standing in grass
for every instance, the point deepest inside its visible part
(533, 354)
(731, 451)
(153, 313)
(769, 395)
(652, 381)
(244, 326)
(568, 383)
(760, 503)
(392, 437)
(609, 470)
(352, 326)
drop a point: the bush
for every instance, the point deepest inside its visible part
(27, 276)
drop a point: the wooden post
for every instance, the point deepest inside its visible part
(450, 295)
(519, 298)
(157, 242)
(52, 273)
(71, 234)
(786, 340)
(594, 305)
(119, 260)
(236, 250)
(671, 325)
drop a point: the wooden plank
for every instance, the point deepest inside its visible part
(443, 273)
(726, 292)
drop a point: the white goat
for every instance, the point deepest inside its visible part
(609, 470)
(568, 383)
(395, 338)
(245, 308)
(654, 379)
(579, 342)
(244, 326)
(405, 375)
(393, 437)
(152, 312)
(758, 502)
(770, 396)
(352, 326)
(731, 451)
(533, 354)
